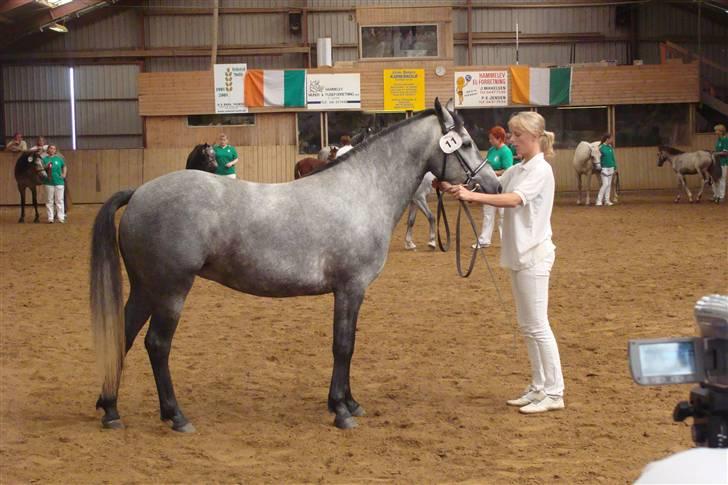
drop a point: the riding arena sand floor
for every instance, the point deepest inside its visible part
(436, 358)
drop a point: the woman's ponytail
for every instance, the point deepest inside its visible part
(547, 144)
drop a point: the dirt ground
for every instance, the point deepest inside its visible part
(436, 358)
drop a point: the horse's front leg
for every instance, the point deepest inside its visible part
(346, 311)
(578, 188)
(705, 178)
(686, 187)
(22, 204)
(34, 192)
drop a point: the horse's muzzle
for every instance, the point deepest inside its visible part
(499, 190)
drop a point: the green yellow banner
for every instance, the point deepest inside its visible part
(404, 89)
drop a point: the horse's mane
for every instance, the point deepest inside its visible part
(670, 150)
(361, 146)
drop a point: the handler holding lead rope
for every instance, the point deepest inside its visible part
(527, 250)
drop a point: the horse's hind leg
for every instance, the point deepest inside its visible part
(578, 188)
(411, 215)
(159, 343)
(34, 192)
(341, 402)
(136, 312)
(22, 203)
(422, 204)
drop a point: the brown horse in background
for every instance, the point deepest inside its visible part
(308, 165)
(29, 174)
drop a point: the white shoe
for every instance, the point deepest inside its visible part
(549, 403)
(479, 245)
(608, 203)
(598, 204)
(528, 398)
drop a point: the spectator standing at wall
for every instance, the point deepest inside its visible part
(40, 146)
(226, 156)
(17, 144)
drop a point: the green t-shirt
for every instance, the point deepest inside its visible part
(55, 177)
(514, 153)
(224, 156)
(500, 158)
(608, 160)
(722, 146)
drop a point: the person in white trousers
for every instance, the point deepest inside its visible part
(609, 166)
(500, 159)
(721, 155)
(55, 185)
(528, 252)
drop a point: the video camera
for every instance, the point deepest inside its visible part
(701, 359)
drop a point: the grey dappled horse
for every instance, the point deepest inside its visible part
(587, 163)
(202, 157)
(29, 174)
(700, 162)
(326, 233)
(419, 201)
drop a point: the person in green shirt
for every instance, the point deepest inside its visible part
(55, 185)
(226, 156)
(500, 158)
(721, 149)
(609, 166)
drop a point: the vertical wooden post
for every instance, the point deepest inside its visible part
(470, 32)
(215, 13)
(304, 33)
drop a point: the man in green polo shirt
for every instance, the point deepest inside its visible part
(226, 156)
(55, 184)
(721, 149)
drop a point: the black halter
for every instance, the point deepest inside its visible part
(469, 172)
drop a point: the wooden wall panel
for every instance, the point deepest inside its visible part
(269, 129)
(663, 83)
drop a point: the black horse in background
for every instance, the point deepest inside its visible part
(202, 157)
(29, 173)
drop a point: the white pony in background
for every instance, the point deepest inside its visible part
(419, 201)
(587, 163)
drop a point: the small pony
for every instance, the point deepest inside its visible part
(701, 162)
(202, 157)
(306, 166)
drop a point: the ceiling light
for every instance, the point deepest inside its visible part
(56, 27)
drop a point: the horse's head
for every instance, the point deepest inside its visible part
(34, 163)
(458, 159)
(661, 156)
(596, 156)
(210, 157)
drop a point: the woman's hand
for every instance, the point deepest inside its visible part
(461, 192)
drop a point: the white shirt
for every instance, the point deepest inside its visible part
(526, 238)
(343, 150)
(694, 466)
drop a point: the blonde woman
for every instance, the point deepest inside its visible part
(528, 252)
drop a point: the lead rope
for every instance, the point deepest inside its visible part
(464, 208)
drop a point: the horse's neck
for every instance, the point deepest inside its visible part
(393, 166)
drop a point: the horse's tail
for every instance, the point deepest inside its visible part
(106, 295)
(715, 171)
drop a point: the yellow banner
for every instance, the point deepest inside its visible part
(404, 89)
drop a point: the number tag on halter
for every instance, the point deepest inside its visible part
(30, 158)
(450, 141)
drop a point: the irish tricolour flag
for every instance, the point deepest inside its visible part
(275, 88)
(540, 86)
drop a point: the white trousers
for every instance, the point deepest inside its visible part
(486, 233)
(54, 196)
(607, 175)
(531, 293)
(720, 192)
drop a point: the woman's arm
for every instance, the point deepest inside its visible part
(511, 199)
(230, 164)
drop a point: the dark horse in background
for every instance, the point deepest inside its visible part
(29, 174)
(202, 157)
(306, 166)
(329, 233)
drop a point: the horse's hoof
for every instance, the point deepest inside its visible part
(410, 246)
(345, 423)
(20, 221)
(113, 424)
(432, 244)
(358, 412)
(578, 202)
(185, 428)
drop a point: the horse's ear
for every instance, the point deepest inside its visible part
(446, 119)
(450, 106)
